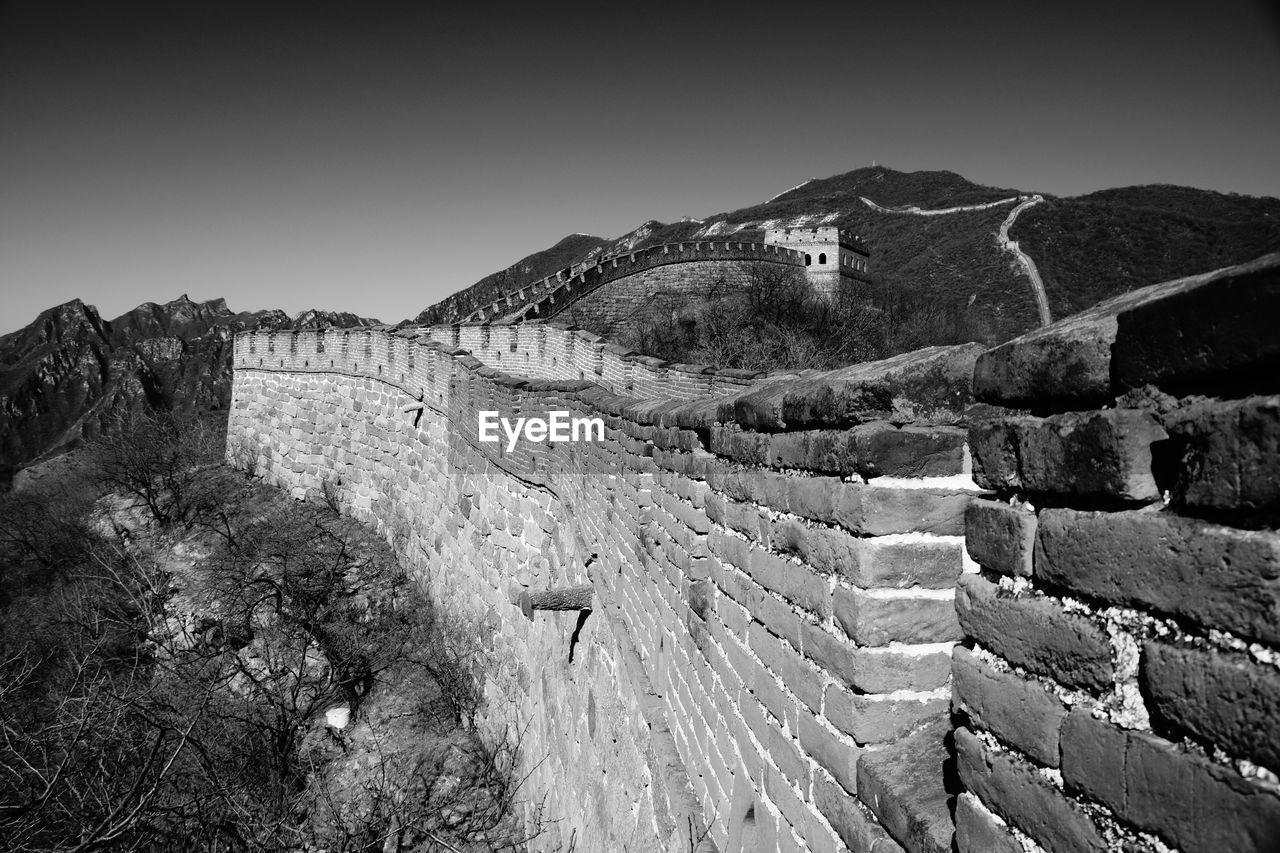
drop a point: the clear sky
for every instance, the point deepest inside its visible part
(375, 157)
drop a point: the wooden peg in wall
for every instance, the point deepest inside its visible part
(564, 598)
(418, 407)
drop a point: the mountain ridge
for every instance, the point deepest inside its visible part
(65, 375)
(68, 373)
(955, 260)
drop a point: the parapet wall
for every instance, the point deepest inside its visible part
(548, 352)
(783, 565)
(1120, 689)
(546, 298)
(773, 601)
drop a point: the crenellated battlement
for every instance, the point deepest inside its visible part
(546, 298)
(531, 349)
(832, 257)
(797, 247)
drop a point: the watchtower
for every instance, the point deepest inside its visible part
(833, 258)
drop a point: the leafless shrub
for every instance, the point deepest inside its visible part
(162, 460)
(773, 321)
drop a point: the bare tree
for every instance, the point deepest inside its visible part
(161, 459)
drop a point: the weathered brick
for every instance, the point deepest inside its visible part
(1035, 633)
(782, 750)
(880, 561)
(1216, 329)
(1188, 800)
(800, 676)
(729, 549)
(855, 825)
(742, 517)
(839, 758)
(877, 719)
(879, 617)
(872, 449)
(797, 583)
(876, 511)
(1000, 537)
(777, 788)
(875, 670)
(740, 483)
(812, 497)
(927, 380)
(902, 561)
(1216, 576)
(1094, 757)
(1224, 698)
(818, 836)
(775, 614)
(689, 515)
(1230, 455)
(904, 784)
(1103, 454)
(979, 831)
(1019, 711)
(742, 446)
(1014, 790)
(778, 703)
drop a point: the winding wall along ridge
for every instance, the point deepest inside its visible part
(1024, 260)
(552, 294)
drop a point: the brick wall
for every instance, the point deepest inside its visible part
(774, 601)
(664, 288)
(783, 565)
(1120, 686)
(540, 351)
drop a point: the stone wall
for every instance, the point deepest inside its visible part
(549, 352)
(1120, 687)
(833, 258)
(774, 601)
(782, 566)
(547, 298)
(666, 288)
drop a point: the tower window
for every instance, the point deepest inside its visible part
(822, 258)
(808, 259)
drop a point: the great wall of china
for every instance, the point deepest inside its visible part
(992, 601)
(618, 284)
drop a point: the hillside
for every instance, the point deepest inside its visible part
(1095, 246)
(69, 371)
(1088, 248)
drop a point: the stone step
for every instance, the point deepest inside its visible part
(911, 786)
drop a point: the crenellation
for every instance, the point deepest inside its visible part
(701, 263)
